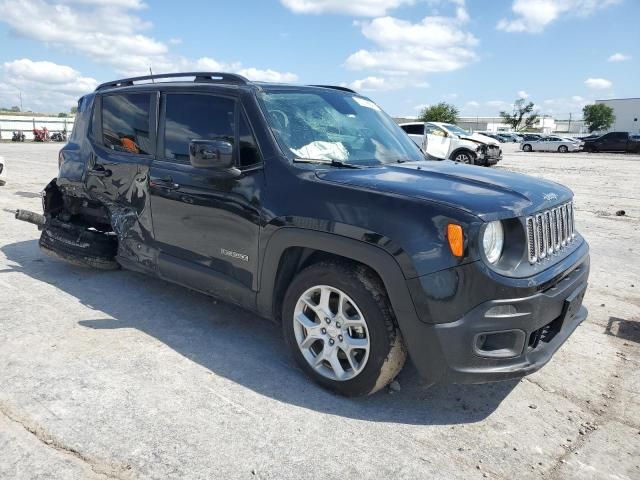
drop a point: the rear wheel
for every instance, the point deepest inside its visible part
(339, 327)
(563, 149)
(527, 148)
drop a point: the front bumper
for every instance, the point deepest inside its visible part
(507, 336)
(490, 154)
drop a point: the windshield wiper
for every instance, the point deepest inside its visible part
(332, 163)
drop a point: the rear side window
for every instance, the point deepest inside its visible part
(413, 129)
(196, 117)
(126, 123)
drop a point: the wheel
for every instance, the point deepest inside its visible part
(339, 327)
(80, 247)
(464, 157)
(563, 149)
(527, 148)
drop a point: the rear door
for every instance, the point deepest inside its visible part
(122, 148)
(437, 141)
(415, 132)
(206, 223)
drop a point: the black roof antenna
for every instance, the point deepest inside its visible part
(151, 72)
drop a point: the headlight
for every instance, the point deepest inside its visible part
(493, 241)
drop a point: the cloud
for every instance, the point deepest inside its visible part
(45, 86)
(499, 105)
(358, 8)
(566, 105)
(108, 32)
(378, 84)
(435, 44)
(598, 83)
(619, 57)
(523, 94)
(534, 16)
(472, 104)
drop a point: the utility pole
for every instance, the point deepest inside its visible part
(569, 127)
(20, 93)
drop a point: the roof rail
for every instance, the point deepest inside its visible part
(199, 77)
(335, 87)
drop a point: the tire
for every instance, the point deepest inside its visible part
(464, 156)
(563, 149)
(79, 246)
(371, 320)
(527, 148)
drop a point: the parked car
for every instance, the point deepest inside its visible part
(551, 143)
(496, 137)
(531, 136)
(448, 141)
(613, 142)
(3, 171)
(509, 137)
(309, 206)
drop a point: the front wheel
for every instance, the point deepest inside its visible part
(527, 148)
(563, 149)
(339, 327)
(464, 157)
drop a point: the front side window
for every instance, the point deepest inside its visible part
(196, 117)
(433, 130)
(126, 123)
(333, 125)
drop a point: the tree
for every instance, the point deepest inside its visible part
(74, 110)
(15, 109)
(440, 112)
(523, 116)
(62, 114)
(598, 117)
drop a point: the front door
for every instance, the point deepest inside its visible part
(206, 223)
(437, 141)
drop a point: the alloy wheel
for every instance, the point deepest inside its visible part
(331, 333)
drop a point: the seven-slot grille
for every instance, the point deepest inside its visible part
(549, 232)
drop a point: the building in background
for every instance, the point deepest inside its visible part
(627, 112)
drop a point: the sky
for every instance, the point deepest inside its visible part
(480, 55)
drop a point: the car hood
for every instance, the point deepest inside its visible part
(477, 138)
(487, 193)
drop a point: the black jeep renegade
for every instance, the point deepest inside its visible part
(311, 207)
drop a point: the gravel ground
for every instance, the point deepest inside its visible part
(115, 375)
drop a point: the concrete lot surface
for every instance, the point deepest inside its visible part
(119, 376)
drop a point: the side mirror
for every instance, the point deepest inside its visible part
(214, 154)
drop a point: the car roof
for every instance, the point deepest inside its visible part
(205, 79)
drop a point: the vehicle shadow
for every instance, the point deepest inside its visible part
(624, 329)
(215, 335)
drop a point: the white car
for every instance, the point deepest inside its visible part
(3, 171)
(448, 141)
(551, 143)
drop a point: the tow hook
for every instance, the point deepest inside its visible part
(30, 217)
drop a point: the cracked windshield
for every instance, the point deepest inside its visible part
(334, 126)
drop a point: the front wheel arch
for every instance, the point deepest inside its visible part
(472, 156)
